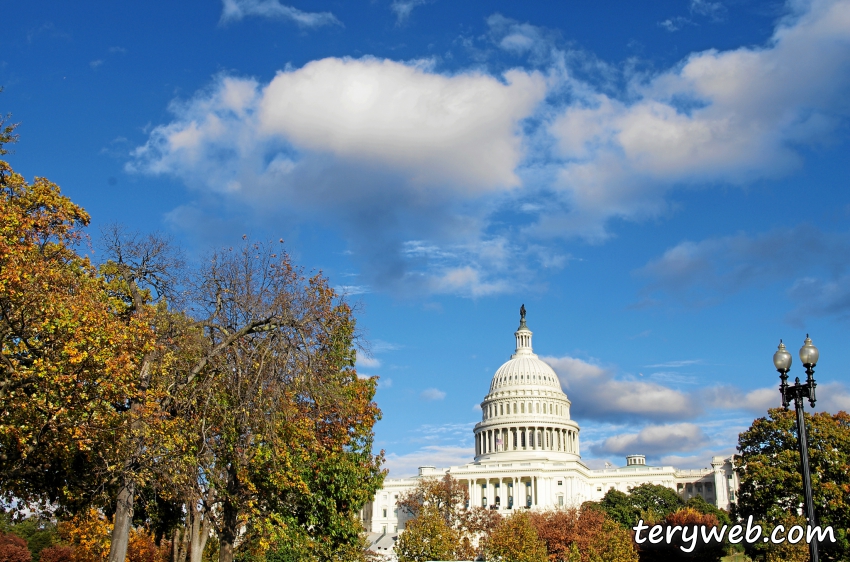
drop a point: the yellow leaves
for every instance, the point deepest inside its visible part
(89, 534)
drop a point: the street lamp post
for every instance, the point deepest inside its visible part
(797, 392)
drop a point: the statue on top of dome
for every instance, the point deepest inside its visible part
(522, 312)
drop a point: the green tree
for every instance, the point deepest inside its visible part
(650, 502)
(39, 533)
(769, 470)
(427, 537)
(515, 539)
(698, 504)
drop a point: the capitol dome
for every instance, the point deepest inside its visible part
(525, 414)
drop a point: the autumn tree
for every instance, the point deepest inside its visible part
(586, 534)
(515, 539)
(142, 275)
(115, 392)
(13, 548)
(427, 537)
(784, 551)
(285, 424)
(7, 131)
(449, 498)
(769, 469)
(688, 520)
(66, 360)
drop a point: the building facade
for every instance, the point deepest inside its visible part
(527, 455)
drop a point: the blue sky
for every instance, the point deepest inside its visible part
(663, 184)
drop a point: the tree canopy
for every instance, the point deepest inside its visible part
(769, 469)
(222, 397)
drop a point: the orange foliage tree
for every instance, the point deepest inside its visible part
(589, 532)
(695, 522)
(66, 360)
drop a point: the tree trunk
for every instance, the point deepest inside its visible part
(184, 545)
(229, 531)
(123, 522)
(175, 545)
(127, 493)
(200, 533)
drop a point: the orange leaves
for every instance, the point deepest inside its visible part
(65, 359)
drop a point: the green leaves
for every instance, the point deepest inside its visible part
(769, 469)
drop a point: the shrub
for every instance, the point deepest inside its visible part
(57, 554)
(13, 548)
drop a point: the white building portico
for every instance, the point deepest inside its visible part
(527, 455)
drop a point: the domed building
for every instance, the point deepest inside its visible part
(527, 455)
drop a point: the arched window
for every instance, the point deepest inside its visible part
(544, 408)
(523, 407)
(501, 410)
(537, 407)
(515, 407)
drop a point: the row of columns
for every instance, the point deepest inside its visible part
(513, 492)
(506, 493)
(526, 439)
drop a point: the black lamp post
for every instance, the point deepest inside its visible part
(797, 392)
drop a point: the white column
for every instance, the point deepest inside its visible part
(534, 491)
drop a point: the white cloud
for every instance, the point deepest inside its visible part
(391, 154)
(716, 11)
(756, 401)
(386, 151)
(367, 362)
(432, 394)
(235, 10)
(674, 24)
(351, 290)
(380, 346)
(95, 63)
(596, 394)
(831, 397)
(403, 9)
(460, 129)
(697, 461)
(675, 364)
(441, 456)
(655, 440)
(719, 116)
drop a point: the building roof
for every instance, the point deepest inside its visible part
(524, 369)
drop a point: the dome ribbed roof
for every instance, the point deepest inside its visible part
(524, 368)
